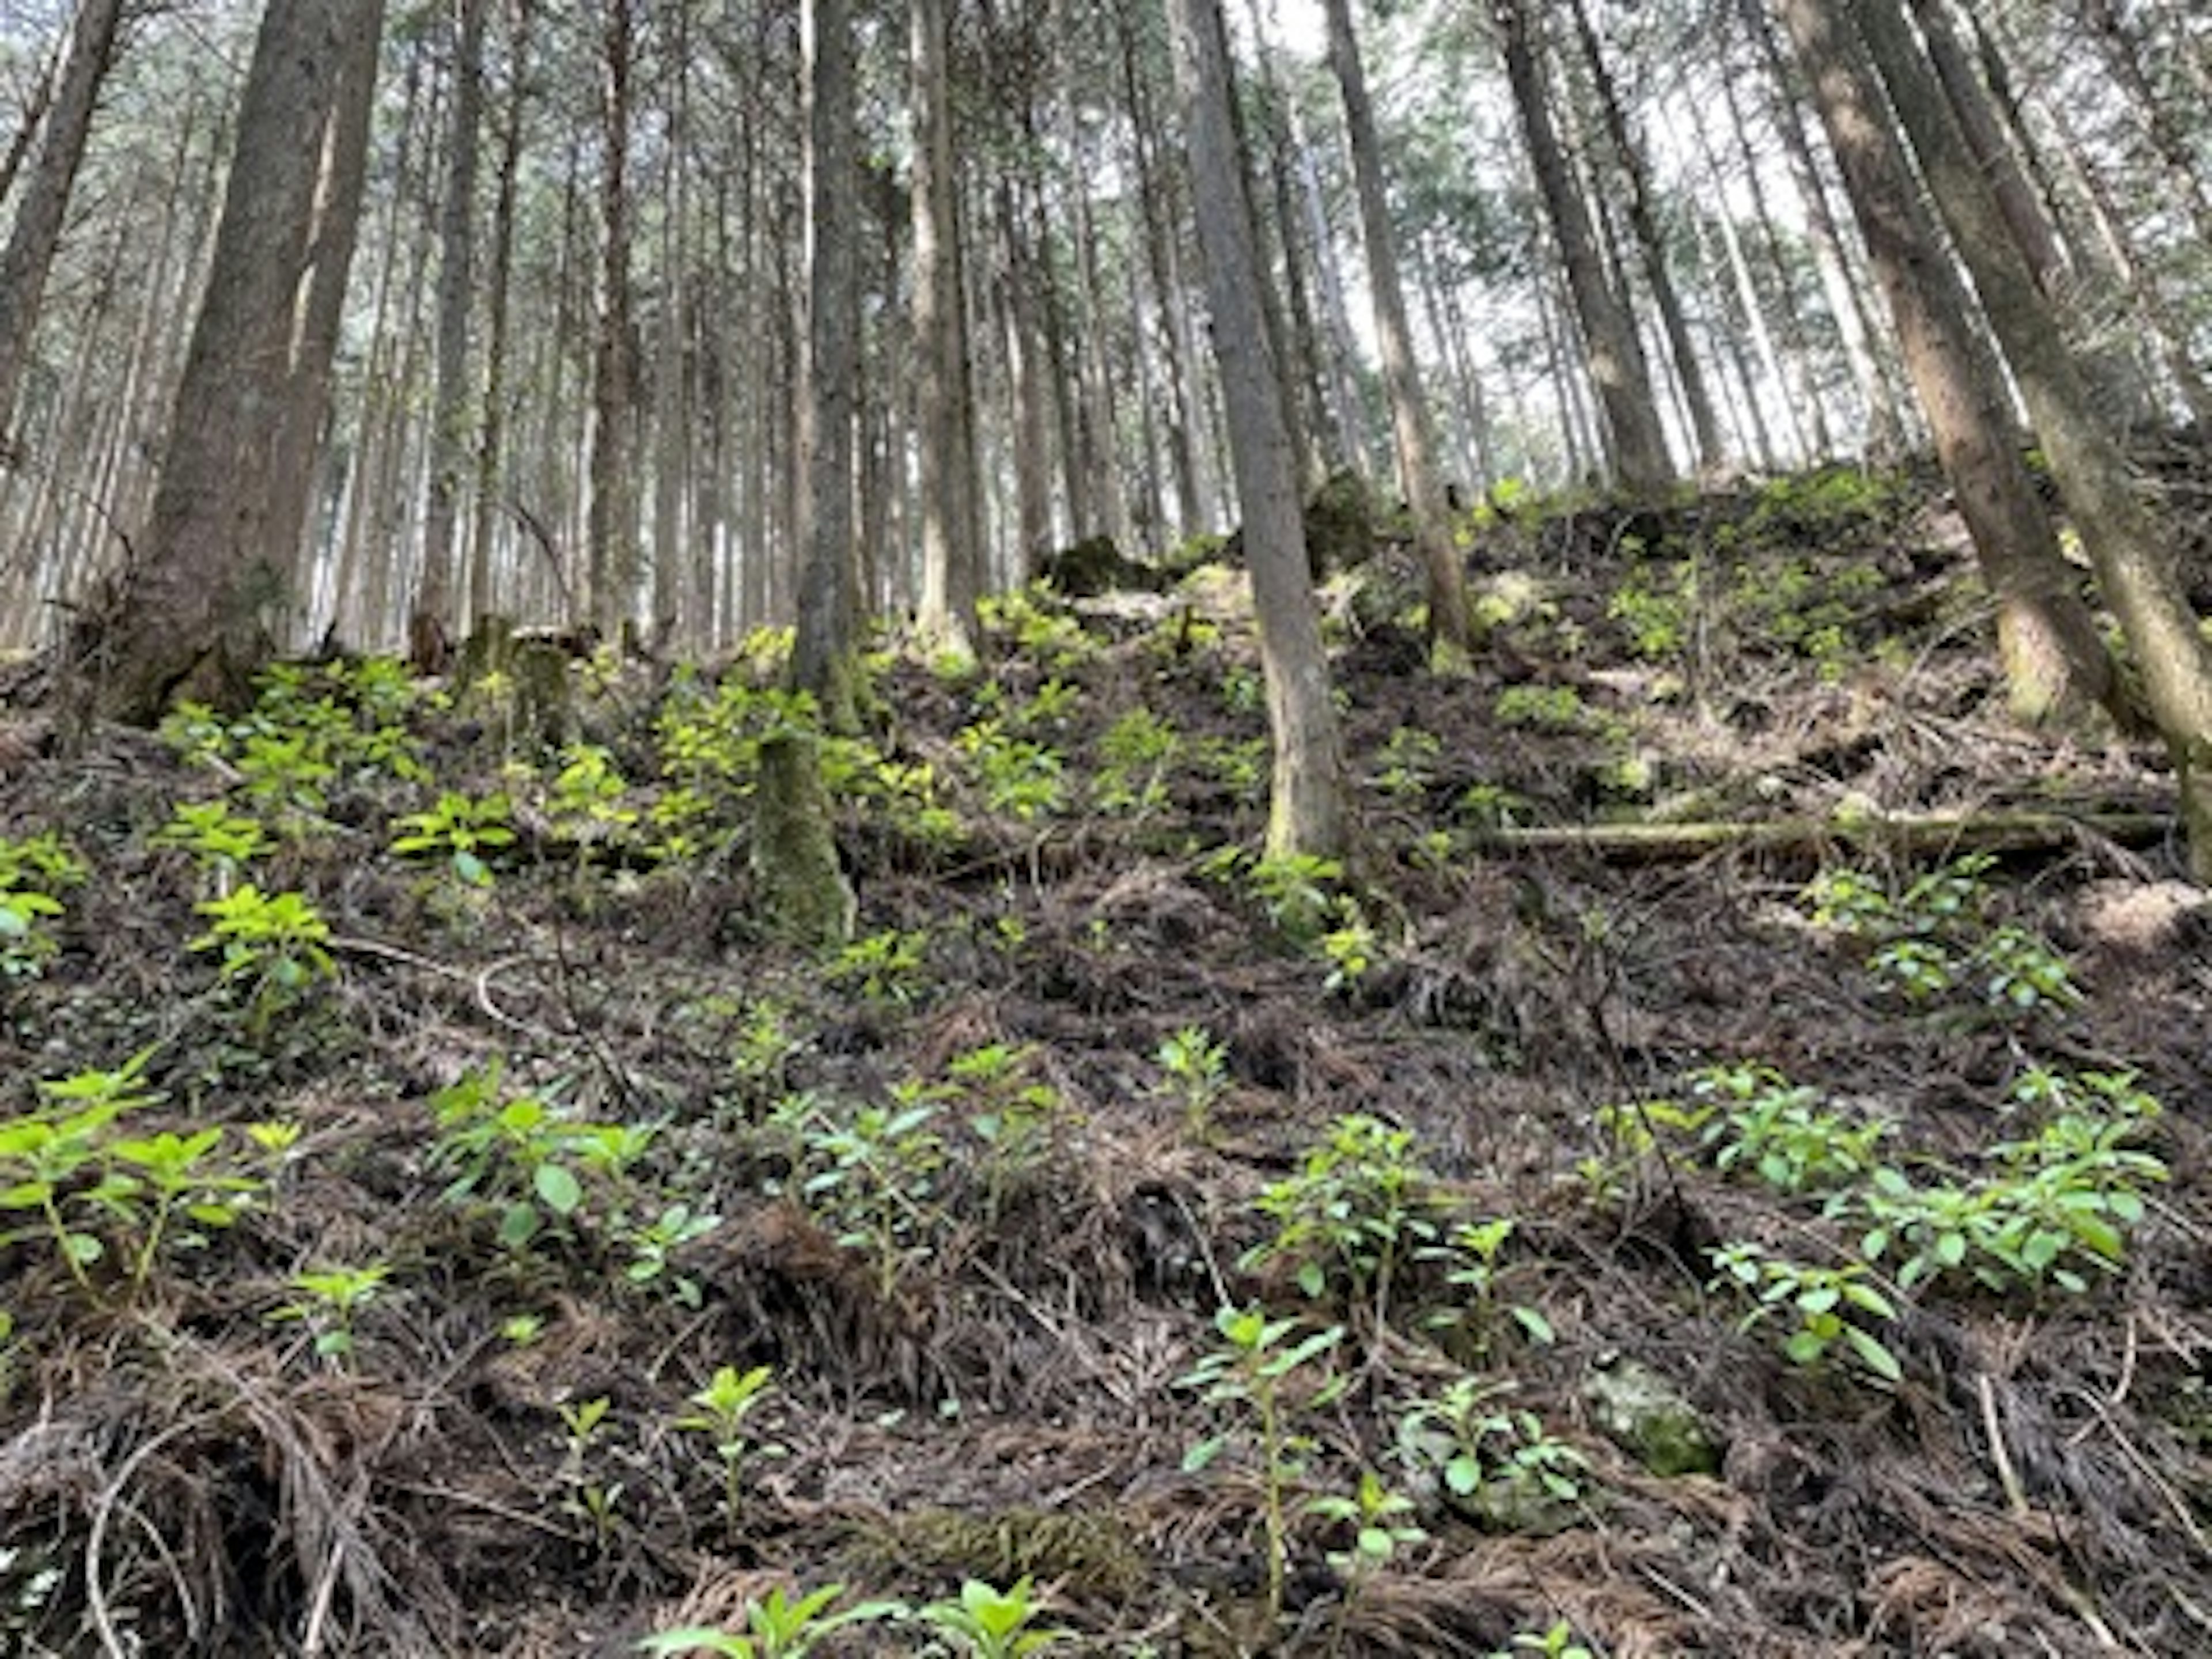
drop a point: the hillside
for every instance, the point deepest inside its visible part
(1741, 1113)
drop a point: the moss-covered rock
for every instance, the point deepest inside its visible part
(1648, 1418)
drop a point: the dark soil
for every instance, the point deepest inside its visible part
(976, 1365)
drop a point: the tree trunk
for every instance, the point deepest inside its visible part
(228, 513)
(951, 549)
(2054, 662)
(2128, 547)
(430, 631)
(38, 215)
(1636, 171)
(1409, 420)
(1615, 355)
(1306, 813)
(822, 654)
(491, 448)
(610, 529)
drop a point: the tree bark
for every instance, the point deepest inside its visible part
(611, 527)
(1306, 809)
(1615, 355)
(951, 548)
(1409, 419)
(227, 514)
(2127, 545)
(2054, 662)
(38, 215)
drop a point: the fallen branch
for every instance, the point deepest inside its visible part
(1937, 833)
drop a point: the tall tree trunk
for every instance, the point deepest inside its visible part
(430, 628)
(2054, 662)
(951, 548)
(228, 515)
(1636, 170)
(37, 228)
(1409, 417)
(491, 448)
(610, 529)
(1306, 814)
(2130, 549)
(822, 654)
(1615, 355)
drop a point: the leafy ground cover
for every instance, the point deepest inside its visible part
(436, 1222)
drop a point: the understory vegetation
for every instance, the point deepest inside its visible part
(434, 1219)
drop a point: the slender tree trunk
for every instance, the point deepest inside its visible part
(1306, 816)
(822, 655)
(228, 515)
(1032, 394)
(1643, 221)
(2128, 548)
(2054, 661)
(951, 549)
(37, 228)
(1616, 357)
(610, 529)
(36, 102)
(430, 631)
(1409, 419)
(491, 449)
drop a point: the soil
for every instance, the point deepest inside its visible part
(945, 1186)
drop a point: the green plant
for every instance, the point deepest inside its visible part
(1194, 1070)
(1778, 1131)
(587, 1497)
(271, 943)
(871, 1177)
(1472, 1255)
(329, 1299)
(33, 871)
(1380, 1523)
(885, 967)
(221, 842)
(1019, 776)
(1656, 615)
(1136, 754)
(533, 1161)
(993, 1624)
(1252, 1367)
(1012, 1114)
(1409, 762)
(1360, 1206)
(720, 1409)
(1824, 1307)
(653, 1246)
(1934, 937)
(1557, 1642)
(460, 829)
(1491, 806)
(778, 1626)
(590, 800)
(70, 1166)
(1504, 1464)
(1542, 707)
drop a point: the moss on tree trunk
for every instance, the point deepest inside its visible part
(804, 899)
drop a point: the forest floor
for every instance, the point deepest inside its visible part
(399, 1139)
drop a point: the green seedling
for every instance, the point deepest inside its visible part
(1472, 1253)
(993, 1624)
(1557, 1642)
(272, 943)
(1360, 1206)
(33, 869)
(588, 1498)
(1195, 1071)
(329, 1300)
(1252, 1368)
(776, 1627)
(222, 842)
(1379, 1523)
(652, 1249)
(1824, 1307)
(720, 1409)
(1504, 1465)
(460, 829)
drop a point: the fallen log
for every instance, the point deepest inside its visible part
(1919, 833)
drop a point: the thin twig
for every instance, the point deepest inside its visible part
(2008, 1476)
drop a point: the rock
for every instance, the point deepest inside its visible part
(1648, 1418)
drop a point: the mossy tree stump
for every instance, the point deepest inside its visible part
(805, 898)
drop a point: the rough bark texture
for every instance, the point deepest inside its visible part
(37, 228)
(803, 897)
(227, 514)
(1306, 813)
(1615, 355)
(610, 528)
(430, 629)
(1409, 421)
(2053, 659)
(2127, 544)
(821, 656)
(951, 548)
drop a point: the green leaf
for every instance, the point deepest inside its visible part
(560, 1190)
(1872, 1355)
